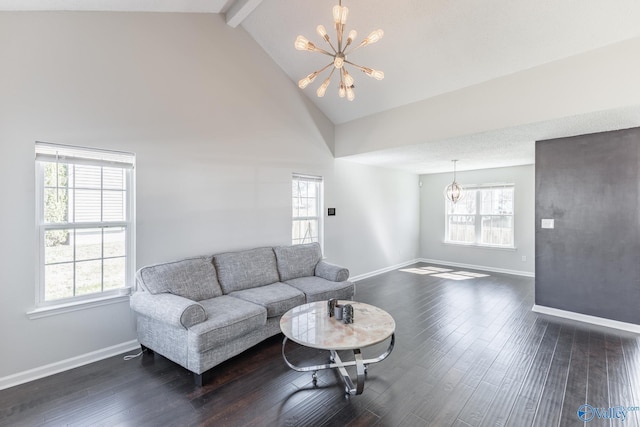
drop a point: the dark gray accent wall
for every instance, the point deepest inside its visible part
(590, 262)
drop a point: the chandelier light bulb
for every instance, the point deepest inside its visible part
(351, 37)
(348, 80)
(302, 43)
(336, 13)
(340, 14)
(305, 82)
(322, 32)
(372, 38)
(342, 91)
(376, 74)
(323, 87)
(351, 95)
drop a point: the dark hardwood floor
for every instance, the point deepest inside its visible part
(468, 353)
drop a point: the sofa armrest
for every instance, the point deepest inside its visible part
(331, 272)
(168, 308)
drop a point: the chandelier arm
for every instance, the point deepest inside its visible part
(378, 75)
(350, 51)
(340, 34)
(360, 67)
(331, 44)
(324, 52)
(323, 68)
(354, 48)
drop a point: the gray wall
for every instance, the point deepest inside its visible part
(218, 130)
(432, 221)
(590, 262)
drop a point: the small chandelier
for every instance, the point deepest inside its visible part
(454, 191)
(339, 55)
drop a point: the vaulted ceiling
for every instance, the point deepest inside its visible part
(432, 49)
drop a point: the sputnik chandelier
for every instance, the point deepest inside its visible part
(339, 55)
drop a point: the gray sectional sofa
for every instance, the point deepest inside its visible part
(199, 312)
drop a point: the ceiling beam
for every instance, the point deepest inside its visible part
(239, 10)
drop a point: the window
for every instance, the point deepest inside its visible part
(307, 208)
(85, 223)
(483, 217)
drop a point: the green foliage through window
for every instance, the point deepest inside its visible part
(56, 201)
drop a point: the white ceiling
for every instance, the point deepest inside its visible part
(430, 47)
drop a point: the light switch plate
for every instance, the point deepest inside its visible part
(547, 223)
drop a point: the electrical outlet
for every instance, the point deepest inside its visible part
(524, 258)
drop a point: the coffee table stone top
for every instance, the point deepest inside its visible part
(311, 326)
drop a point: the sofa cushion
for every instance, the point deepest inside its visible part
(193, 278)
(246, 269)
(319, 289)
(228, 318)
(277, 298)
(297, 260)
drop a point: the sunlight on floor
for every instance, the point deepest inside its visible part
(444, 273)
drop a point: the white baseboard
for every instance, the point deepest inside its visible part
(382, 270)
(477, 267)
(65, 365)
(600, 321)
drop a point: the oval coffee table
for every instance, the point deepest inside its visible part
(310, 325)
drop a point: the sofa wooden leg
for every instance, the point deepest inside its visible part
(203, 378)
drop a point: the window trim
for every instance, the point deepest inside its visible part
(85, 156)
(52, 310)
(478, 219)
(320, 217)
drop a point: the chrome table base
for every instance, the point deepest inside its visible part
(337, 363)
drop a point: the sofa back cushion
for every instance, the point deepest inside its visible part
(193, 278)
(297, 260)
(242, 270)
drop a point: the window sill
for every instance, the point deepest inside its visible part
(474, 245)
(54, 310)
